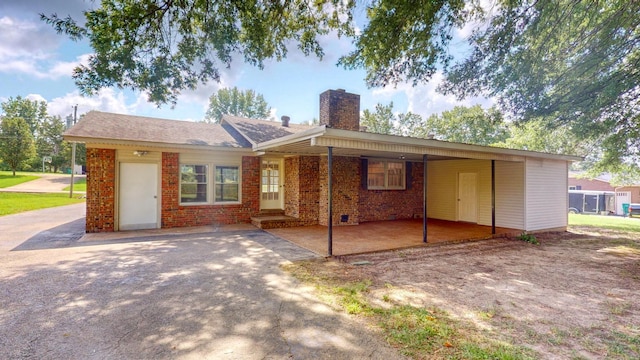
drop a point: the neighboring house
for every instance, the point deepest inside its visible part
(152, 173)
(623, 194)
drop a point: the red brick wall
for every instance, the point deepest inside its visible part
(174, 215)
(340, 110)
(586, 184)
(393, 204)
(346, 184)
(301, 188)
(101, 182)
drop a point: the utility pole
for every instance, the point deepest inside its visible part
(73, 153)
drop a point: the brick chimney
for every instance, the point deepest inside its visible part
(340, 110)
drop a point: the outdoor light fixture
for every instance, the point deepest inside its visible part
(140, 152)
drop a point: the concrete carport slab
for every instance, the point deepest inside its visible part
(212, 295)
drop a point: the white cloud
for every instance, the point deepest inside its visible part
(19, 38)
(425, 100)
(106, 100)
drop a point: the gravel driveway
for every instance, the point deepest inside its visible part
(205, 295)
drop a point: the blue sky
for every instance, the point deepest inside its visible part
(37, 63)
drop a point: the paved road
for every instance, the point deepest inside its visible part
(46, 183)
(202, 295)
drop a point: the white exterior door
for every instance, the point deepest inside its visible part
(467, 197)
(271, 174)
(622, 197)
(138, 200)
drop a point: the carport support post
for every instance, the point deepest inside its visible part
(424, 198)
(330, 201)
(493, 197)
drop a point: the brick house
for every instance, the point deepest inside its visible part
(153, 173)
(623, 193)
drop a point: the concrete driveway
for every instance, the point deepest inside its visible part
(192, 295)
(45, 183)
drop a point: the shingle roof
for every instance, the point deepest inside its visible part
(258, 131)
(109, 126)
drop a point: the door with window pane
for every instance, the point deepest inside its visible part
(271, 196)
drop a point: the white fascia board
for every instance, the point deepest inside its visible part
(290, 139)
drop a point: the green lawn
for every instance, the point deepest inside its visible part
(11, 203)
(7, 179)
(605, 222)
(80, 185)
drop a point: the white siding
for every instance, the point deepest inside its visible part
(442, 194)
(546, 194)
(510, 197)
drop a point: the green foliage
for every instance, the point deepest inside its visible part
(32, 111)
(163, 48)
(236, 102)
(530, 238)
(573, 62)
(16, 142)
(385, 121)
(469, 125)
(12, 203)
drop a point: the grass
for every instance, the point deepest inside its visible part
(7, 179)
(605, 222)
(12, 203)
(79, 185)
(416, 332)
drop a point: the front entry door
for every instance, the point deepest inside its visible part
(138, 200)
(467, 198)
(271, 184)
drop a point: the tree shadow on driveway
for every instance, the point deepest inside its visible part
(201, 295)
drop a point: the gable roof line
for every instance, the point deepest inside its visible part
(228, 121)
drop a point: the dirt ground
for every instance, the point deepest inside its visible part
(576, 295)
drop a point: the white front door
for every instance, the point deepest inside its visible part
(467, 198)
(138, 200)
(271, 174)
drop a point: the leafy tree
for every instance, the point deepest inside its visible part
(384, 121)
(165, 47)
(32, 111)
(50, 143)
(469, 125)
(16, 142)
(236, 102)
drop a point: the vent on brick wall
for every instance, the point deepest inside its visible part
(344, 218)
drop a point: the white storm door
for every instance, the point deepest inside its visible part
(467, 198)
(271, 196)
(138, 201)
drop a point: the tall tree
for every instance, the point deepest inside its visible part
(32, 111)
(16, 142)
(165, 47)
(469, 125)
(49, 142)
(384, 121)
(236, 102)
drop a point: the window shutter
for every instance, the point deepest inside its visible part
(364, 168)
(409, 175)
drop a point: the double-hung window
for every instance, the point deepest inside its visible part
(194, 183)
(227, 187)
(205, 182)
(385, 175)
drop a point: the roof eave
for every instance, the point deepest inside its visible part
(151, 144)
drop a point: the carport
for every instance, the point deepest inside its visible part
(514, 190)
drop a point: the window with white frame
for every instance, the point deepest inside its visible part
(227, 186)
(385, 175)
(203, 181)
(194, 183)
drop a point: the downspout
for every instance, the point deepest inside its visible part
(493, 197)
(330, 202)
(424, 198)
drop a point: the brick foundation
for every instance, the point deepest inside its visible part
(175, 215)
(346, 184)
(101, 183)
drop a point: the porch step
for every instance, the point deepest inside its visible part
(271, 221)
(271, 212)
